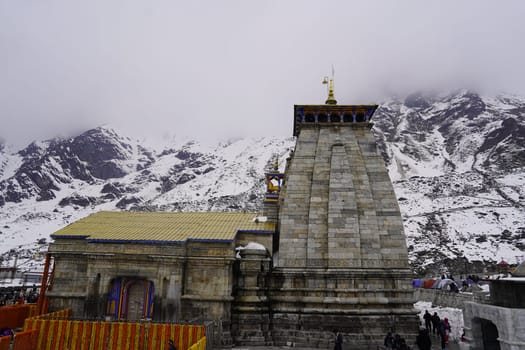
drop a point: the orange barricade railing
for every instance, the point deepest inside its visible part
(59, 334)
(13, 316)
(200, 345)
(61, 314)
(33, 310)
(5, 342)
(26, 340)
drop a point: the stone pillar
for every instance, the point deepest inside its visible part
(95, 301)
(250, 311)
(170, 296)
(270, 210)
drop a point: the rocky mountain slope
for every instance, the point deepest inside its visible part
(457, 161)
(458, 166)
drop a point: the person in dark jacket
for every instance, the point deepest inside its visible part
(443, 335)
(171, 345)
(435, 323)
(403, 344)
(423, 340)
(389, 341)
(397, 341)
(428, 320)
(338, 340)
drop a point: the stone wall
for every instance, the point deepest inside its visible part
(276, 307)
(338, 207)
(191, 282)
(251, 305)
(510, 325)
(449, 299)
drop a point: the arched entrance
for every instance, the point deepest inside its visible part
(490, 335)
(135, 301)
(130, 299)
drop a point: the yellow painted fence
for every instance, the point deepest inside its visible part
(63, 334)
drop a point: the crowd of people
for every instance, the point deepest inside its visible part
(18, 295)
(437, 326)
(434, 326)
(395, 341)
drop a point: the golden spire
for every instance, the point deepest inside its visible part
(331, 99)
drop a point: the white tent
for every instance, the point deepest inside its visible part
(445, 283)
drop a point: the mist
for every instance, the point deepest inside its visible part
(223, 69)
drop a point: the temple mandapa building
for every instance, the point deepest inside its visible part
(327, 251)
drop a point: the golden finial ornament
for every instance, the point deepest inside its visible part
(331, 98)
(276, 164)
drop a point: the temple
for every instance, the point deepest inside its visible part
(342, 260)
(327, 251)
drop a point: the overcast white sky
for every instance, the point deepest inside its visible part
(217, 69)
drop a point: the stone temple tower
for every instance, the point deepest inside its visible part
(341, 260)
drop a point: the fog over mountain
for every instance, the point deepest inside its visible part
(457, 161)
(231, 68)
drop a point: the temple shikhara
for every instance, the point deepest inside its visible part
(327, 251)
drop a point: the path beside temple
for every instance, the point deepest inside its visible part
(435, 346)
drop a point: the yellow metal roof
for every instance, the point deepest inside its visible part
(160, 226)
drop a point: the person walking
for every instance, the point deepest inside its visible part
(397, 341)
(423, 340)
(338, 340)
(443, 335)
(435, 323)
(428, 320)
(389, 341)
(447, 325)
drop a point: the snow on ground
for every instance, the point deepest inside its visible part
(38, 221)
(245, 159)
(420, 195)
(476, 222)
(404, 165)
(512, 184)
(465, 157)
(455, 317)
(506, 102)
(11, 282)
(437, 107)
(478, 233)
(9, 164)
(489, 227)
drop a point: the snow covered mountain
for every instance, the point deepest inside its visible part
(458, 166)
(457, 162)
(49, 184)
